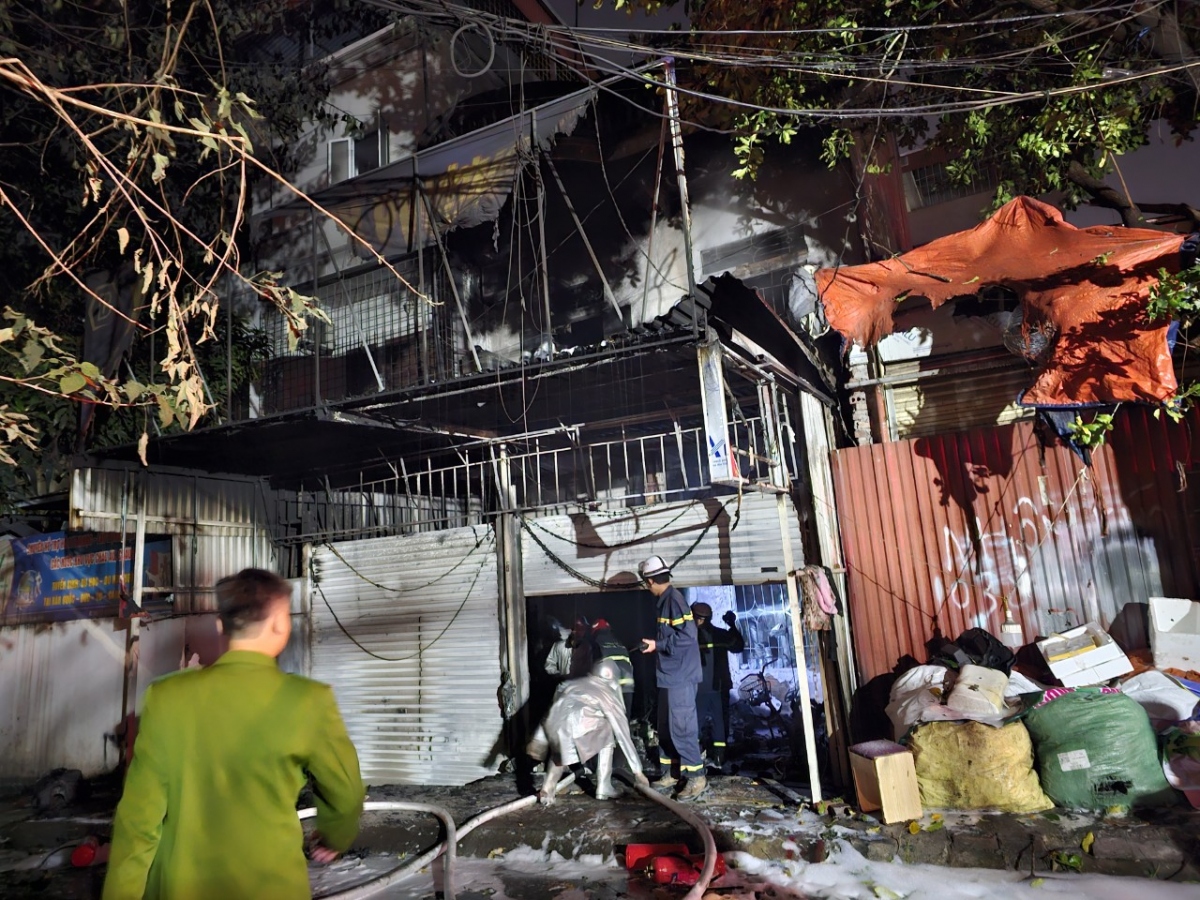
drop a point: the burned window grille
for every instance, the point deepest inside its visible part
(931, 185)
(780, 243)
(379, 336)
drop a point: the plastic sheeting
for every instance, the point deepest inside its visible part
(1087, 286)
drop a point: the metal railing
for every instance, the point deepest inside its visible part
(379, 337)
(555, 472)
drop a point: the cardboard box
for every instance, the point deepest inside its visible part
(1175, 633)
(886, 779)
(1083, 656)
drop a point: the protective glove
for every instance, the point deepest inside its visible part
(729, 618)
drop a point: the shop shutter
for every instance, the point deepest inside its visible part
(427, 711)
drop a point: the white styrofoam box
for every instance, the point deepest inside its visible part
(978, 690)
(1175, 633)
(1096, 664)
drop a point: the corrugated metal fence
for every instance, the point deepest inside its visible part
(941, 532)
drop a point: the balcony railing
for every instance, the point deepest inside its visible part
(551, 473)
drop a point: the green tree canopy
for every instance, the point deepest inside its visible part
(1047, 94)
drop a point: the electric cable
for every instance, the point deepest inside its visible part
(420, 650)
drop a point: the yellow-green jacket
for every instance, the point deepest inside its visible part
(209, 806)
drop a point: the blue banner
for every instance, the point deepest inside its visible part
(57, 576)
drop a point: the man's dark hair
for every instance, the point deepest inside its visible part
(663, 578)
(246, 598)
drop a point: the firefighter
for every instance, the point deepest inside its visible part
(712, 698)
(607, 646)
(677, 667)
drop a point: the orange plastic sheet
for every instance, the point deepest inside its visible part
(1090, 284)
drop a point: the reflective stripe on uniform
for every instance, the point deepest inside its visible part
(699, 768)
(675, 622)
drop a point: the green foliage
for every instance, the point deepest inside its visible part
(1176, 297)
(1091, 434)
(1045, 101)
(133, 135)
(1066, 860)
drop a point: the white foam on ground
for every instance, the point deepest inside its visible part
(845, 875)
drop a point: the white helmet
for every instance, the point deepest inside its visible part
(653, 566)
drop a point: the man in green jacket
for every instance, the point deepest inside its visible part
(209, 806)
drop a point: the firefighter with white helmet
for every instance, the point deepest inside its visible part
(678, 671)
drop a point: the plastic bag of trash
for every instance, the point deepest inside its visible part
(1163, 698)
(969, 765)
(1181, 760)
(1096, 749)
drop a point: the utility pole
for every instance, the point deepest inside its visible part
(677, 147)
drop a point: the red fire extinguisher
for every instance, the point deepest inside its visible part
(90, 852)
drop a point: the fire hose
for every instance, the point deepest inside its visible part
(448, 846)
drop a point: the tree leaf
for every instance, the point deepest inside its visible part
(90, 371)
(166, 415)
(161, 161)
(32, 355)
(1088, 840)
(71, 383)
(122, 239)
(143, 443)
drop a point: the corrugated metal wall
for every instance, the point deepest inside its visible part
(219, 524)
(606, 546)
(60, 694)
(423, 709)
(940, 531)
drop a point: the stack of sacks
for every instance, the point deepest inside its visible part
(1174, 712)
(1096, 750)
(979, 763)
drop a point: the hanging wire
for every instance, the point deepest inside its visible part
(568, 45)
(604, 585)
(420, 649)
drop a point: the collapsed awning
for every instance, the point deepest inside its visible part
(1085, 288)
(465, 181)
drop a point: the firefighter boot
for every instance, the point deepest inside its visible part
(604, 766)
(695, 786)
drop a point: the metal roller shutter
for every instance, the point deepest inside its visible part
(957, 403)
(731, 547)
(427, 712)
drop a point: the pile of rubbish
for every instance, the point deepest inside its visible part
(985, 735)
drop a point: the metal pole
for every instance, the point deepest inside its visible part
(608, 291)
(545, 266)
(418, 311)
(810, 733)
(229, 358)
(677, 146)
(312, 217)
(462, 310)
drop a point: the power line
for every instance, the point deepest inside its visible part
(571, 46)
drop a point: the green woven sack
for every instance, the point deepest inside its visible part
(1097, 750)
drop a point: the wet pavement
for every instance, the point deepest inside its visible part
(746, 814)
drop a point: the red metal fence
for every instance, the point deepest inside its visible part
(940, 533)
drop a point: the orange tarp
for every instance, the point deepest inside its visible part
(1091, 284)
